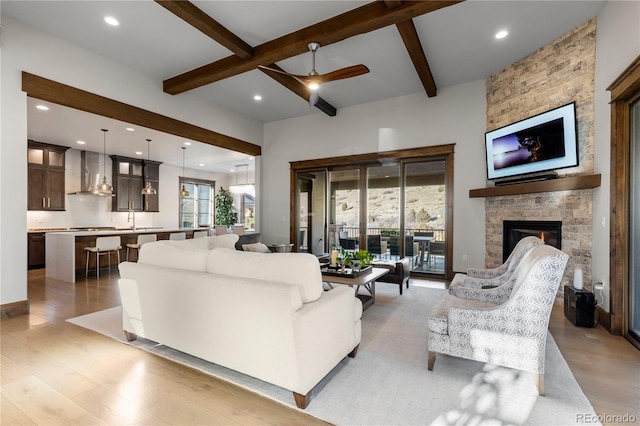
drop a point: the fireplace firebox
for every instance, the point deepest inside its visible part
(550, 231)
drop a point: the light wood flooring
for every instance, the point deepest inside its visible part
(56, 373)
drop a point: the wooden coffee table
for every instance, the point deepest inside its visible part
(366, 280)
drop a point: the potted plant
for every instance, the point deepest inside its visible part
(225, 212)
(358, 259)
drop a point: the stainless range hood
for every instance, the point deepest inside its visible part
(90, 175)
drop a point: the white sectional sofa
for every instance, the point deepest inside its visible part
(264, 315)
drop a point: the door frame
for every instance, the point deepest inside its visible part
(625, 90)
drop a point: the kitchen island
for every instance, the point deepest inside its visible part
(66, 256)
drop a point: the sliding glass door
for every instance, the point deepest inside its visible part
(311, 210)
(383, 211)
(395, 207)
(425, 201)
(344, 208)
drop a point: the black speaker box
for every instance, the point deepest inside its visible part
(579, 306)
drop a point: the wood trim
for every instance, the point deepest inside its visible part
(604, 319)
(361, 20)
(560, 184)
(449, 212)
(195, 17)
(62, 94)
(626, 83)
(401, 154)
(619, 221)
(625, 89)
(14, 309)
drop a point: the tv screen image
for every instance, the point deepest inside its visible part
(543, 142)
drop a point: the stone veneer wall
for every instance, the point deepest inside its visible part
(556, 74)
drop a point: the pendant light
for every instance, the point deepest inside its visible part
(104, 187)
(183, 191)
(148, 188)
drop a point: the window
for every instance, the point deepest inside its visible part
(196, 209)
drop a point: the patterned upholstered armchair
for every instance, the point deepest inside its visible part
(478, 278)
(512, 334)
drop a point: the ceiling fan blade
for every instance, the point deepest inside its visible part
(348, 72)
(300, 78)
(314, 95)
(279, 71)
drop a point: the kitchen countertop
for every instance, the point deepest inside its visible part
(120, 231)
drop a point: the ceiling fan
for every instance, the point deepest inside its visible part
(314, 80)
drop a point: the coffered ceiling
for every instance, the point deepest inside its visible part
(407, 48)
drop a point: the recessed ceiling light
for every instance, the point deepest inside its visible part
(187, 143)
(42, 107)
(232, 170)
(257, 98)
(201, 164)
(138, 152)
(130, 129)
(111, 21)
(502, 34)
(81, 142)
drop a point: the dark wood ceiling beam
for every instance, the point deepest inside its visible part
(198, 19)
(407, 30)
(392, 4)
(195, 17)
(59, 93)
(299, 89)
(358, 21)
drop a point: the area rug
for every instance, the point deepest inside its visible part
(388, 383)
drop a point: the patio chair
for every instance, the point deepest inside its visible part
(374, 244)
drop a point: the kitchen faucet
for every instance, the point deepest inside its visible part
(132, 214)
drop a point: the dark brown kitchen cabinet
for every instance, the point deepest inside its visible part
(35, 250)
(128, 182)
(129, 177)
(45, 178)
(152, 175)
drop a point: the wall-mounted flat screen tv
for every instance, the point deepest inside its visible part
(544, 142)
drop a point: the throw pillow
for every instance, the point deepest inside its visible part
(222, 241)
(256, 247)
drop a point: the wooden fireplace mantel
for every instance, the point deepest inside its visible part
(559, 184)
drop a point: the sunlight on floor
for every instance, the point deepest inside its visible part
(419, 282)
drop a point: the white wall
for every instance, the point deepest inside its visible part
(617, 45)
(26, 49)
(457, 115)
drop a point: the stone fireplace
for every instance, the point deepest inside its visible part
(559, 73)
(549, 231)
(571, 208)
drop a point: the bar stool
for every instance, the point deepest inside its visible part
(178, 236)
(200, 234)
(142, 239)
(104, 246)
(238, 229)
